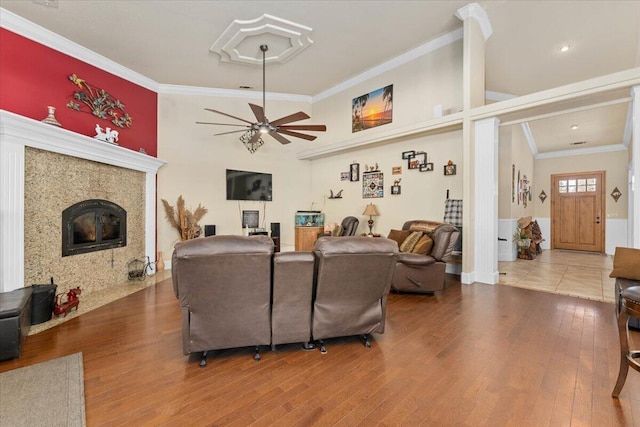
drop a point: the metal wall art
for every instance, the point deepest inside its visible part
(616, 194)
(542, 196)
(100, 103)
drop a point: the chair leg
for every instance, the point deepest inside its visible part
(624, 351)
(203, 360)
(365, 340)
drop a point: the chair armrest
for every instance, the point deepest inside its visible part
(416, 260)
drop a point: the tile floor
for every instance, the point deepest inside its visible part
(574, 273)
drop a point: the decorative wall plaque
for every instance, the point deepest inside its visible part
(616, 194)
(542, 196)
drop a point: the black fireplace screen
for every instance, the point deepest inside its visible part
(93, 225)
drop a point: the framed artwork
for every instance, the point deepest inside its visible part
(372, 185)
(395, 189)
(427, 167)
(372, 109)
(354, 171)
(416, 160)
(396, 170)
(406, 154)
(344, 176)
(450, 169)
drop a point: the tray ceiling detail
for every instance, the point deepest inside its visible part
(241, 41)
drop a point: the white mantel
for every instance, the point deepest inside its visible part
(18, 132)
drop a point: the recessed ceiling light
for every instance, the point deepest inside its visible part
(48, 3)
(564, 48)
(574, 127)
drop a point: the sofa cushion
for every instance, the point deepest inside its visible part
(424, 245)
(626, 263)
(398, 235)
(410, 242)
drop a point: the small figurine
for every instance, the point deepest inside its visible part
(72, 301)
(110, 136)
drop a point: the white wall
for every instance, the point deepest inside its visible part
(198, 160)
(422, 195)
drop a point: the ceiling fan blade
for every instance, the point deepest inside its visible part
(281, 139)
(300, 115)
(221, 124)
(228, 115)
(317, 128)
(258, 111)
(296, 134)
(226, 133)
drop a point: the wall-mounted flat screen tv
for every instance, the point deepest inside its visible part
(244, 185)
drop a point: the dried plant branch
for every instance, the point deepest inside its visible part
(183, 220)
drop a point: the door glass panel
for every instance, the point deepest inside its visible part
(572, 182)
(591, 188)
(563, 183)
(582, 188)
(563, 189)
(572, 189)
(582, 182)
(591, 181)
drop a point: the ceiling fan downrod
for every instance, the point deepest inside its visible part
(265, 128)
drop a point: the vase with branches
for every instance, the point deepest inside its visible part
(183, 219)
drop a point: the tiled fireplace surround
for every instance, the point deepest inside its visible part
(44, 169)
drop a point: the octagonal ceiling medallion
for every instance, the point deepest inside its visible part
(241, 41)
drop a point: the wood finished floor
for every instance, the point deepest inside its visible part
(471, 355)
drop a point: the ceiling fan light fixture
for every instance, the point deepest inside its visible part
(263, 128)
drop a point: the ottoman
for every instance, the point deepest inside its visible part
(15, 320)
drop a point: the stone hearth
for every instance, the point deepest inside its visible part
(84, 168)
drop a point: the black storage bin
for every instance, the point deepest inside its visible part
(42, 302)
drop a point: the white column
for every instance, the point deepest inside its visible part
(485, 187)
(11, 215)
(634, 195)
(150, 216)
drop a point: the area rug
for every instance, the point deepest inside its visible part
(45, 394)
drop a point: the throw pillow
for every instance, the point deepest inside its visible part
(398, 235)
(425, 226)
(626, 263)
(337, 231)
(424, 245)
(410, 242)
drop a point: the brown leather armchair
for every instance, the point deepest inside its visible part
(353, 278)
(224, 287)
(419, 273)
(348, 227)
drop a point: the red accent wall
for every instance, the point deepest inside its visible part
(33, 76)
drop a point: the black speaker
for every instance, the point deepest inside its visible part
(209, 230)
(275, 229)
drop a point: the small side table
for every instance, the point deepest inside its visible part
(630, 298)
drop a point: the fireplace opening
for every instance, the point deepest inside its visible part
(93, 225)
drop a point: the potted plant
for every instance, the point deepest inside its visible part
(521, 238)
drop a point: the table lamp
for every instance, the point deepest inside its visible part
(372, 211)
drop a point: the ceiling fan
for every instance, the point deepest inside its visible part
(254, 130)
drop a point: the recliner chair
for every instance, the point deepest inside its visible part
(353, 278)
(348, 227)
(224, 287)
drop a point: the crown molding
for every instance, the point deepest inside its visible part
(477, 12)
(229, 93)
(38, 34)
(530, 139)
(419, 51)
(581, 151)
